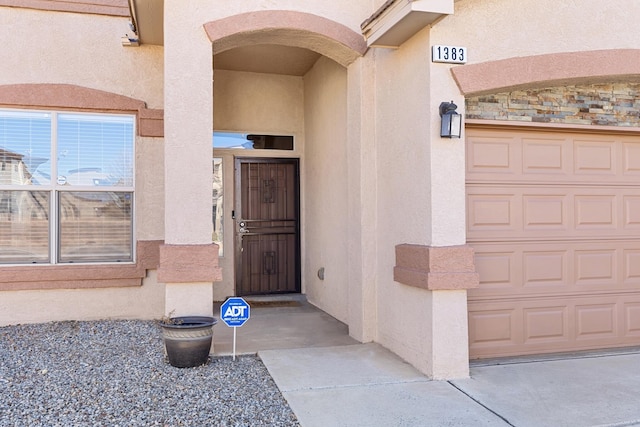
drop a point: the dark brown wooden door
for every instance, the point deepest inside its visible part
(267, 228)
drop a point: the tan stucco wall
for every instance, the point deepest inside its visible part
(498, 29)
(80, 49)
(361, 215)
(144, 302)
(149, 209)
(404, 209)
(326, 186)
(252, 102)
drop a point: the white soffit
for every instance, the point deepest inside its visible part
(398, 20)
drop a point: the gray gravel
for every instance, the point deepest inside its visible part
(113, 373)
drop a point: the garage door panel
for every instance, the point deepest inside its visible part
(526, 212)
(490, 210)
(595, 158)
(493, 155)
(631, 212)
(554, 220)
(631, 319)
(596, 321)
(595, 211)
(575, 158)
(598, 267)
(556, 268)
(631, 266)
(494, 326)
(631, 158)
(547, 325)
(545, 156)
(545, 211)
(544, 268)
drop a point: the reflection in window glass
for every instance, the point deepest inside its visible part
(245, 141)
(95, 150)
(216, 213)
(25, 148)
(24, 227)
(95, 226)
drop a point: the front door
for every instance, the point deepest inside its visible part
(267, 226)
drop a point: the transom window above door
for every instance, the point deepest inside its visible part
(248, 141)
(66, 187)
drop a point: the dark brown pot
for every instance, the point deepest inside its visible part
(187, 340)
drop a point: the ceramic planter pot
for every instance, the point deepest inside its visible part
(187, 340)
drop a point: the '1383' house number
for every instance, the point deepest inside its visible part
(449, 54)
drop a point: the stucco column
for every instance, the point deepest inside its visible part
(446, 272)
(188, 260)
(450, 357)
(361, 209)
(448, 230)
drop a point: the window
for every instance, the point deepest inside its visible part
(245, 141)
(66, 187)
(216, 204)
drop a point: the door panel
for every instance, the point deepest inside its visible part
(267, 228)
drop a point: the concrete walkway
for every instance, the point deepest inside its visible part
(366, 385)
(330, 380)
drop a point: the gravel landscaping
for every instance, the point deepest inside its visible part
(113, 373)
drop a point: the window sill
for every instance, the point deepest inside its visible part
(22, 278)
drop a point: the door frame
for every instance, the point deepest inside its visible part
(237, 215)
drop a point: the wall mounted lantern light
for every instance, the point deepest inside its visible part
(451, 123)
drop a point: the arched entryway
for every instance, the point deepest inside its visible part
(284, 74)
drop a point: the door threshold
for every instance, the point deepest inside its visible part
(275, 298)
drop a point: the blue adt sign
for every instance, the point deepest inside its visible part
(235, 311)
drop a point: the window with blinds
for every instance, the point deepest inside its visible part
(66, 187)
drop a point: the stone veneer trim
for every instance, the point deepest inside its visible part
(556, 69)
(602, 104)
(436, 268)
(189, 263)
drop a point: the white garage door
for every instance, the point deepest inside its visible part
(554, 218)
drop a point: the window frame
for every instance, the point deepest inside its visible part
(55, 189)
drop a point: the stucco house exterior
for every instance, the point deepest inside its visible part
(319, 122)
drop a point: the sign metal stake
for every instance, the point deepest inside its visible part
(234, 343)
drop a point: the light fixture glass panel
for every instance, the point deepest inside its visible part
(456, 125)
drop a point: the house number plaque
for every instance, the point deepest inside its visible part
(449, 54)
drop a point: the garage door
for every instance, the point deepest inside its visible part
(554, 218)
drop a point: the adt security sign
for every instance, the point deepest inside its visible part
(235, 312)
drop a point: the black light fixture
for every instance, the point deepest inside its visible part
(451, 124)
